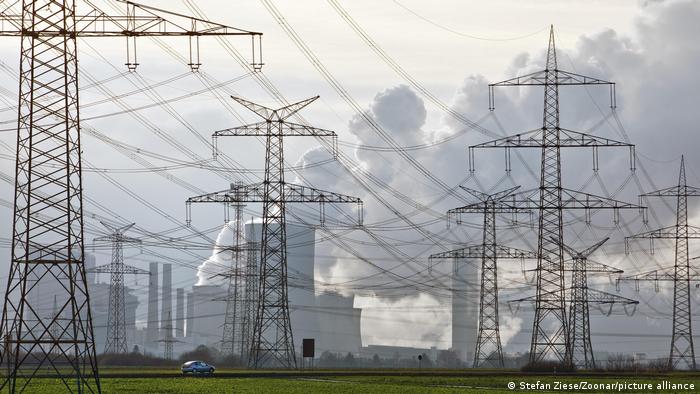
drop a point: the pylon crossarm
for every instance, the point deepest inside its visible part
(589, 251)
(483, 197)
(594, 297)
(262, 129)
(573, 199)
(115, 229)
(594, 267)
(141, 20)
(279, 114)
(674, 191)
(567, 139)
(123, 268)
(574, 139)
(498, 207)
(602, 297)
(581, 254)
(138, 21)
(477, 251)
(528, 139)
(669, 232)
(569, 78)
(112, 238)
(539, 78)
(235, 194)
(533, 79)
(255, 193)
(666, 274)
(299, 193)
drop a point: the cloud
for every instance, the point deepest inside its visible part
(220, 260)
(656, 79)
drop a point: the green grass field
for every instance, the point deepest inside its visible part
(337, 382)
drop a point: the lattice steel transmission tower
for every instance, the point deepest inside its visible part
(580, 298)
(47, 242)
(272, 342)
(233, 332)
(168, 341)
(233, 339)
(682, 349)
(550, 340)
(489, 352)
(116, 316)
(579, 325)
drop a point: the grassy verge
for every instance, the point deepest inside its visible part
(375, 382)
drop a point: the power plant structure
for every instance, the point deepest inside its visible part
(152, 314)
(166, 302)
(309, 307)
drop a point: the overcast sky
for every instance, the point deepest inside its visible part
(452, 49)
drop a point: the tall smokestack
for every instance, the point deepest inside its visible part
(180, 312)
(152, 321)
(167, 300)
(190, 314)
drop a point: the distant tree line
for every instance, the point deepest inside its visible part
(446, 359)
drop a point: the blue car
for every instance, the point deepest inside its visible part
(194, 367)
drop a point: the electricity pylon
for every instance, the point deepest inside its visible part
(550, 340)
(682, 349)
(489, 352)
(48, 249)
(581, 267)
(116, 316)
(582, 353)
(233, 335)
(579, 316)
(273, 344)
(168, 341)
(233, 320)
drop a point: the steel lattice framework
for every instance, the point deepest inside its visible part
(272, 342)
(234, 339)
(47, 241)
(550, 339)
(231, 338)
(489, 352)
(168, 341)
(116, 317)
(581, 296)
(682, 348)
